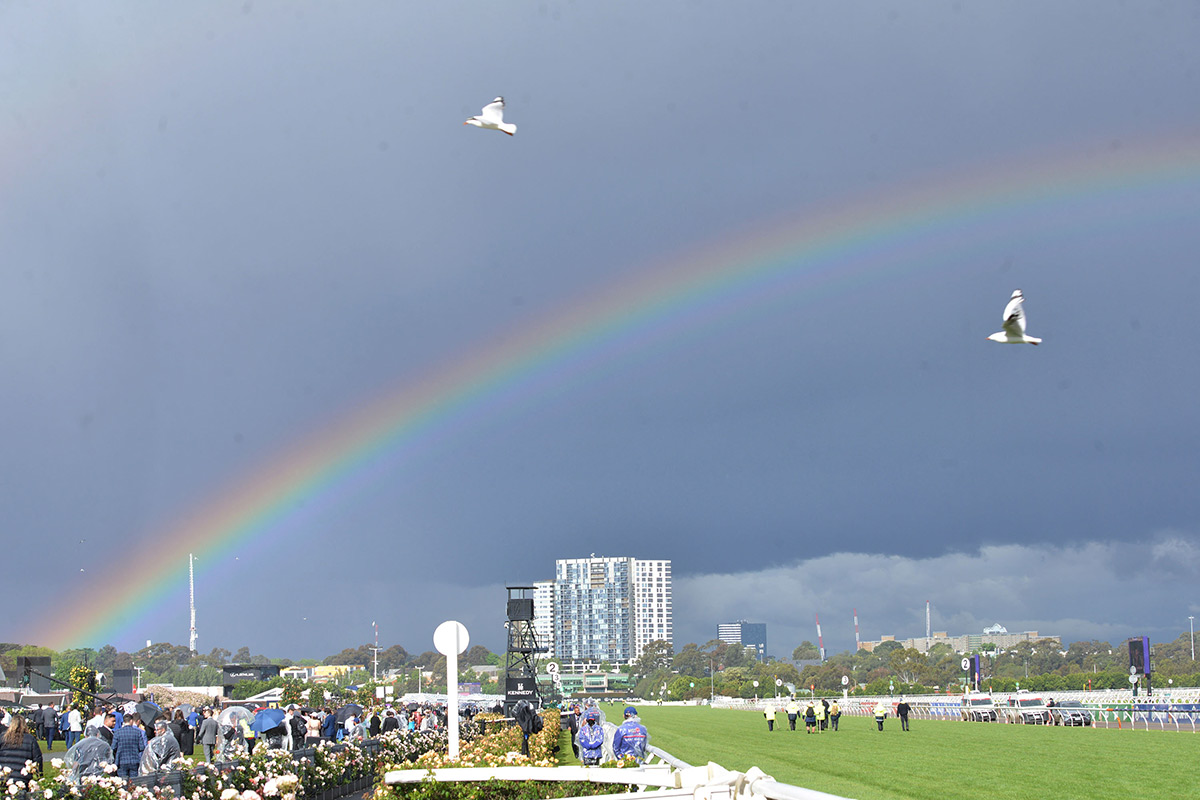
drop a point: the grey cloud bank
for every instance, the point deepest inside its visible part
(224, 229)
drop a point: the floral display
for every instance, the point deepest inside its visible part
(500, 747)
(329, 770)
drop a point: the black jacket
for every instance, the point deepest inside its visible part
(15, 756)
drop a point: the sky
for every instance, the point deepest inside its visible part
(722, 299)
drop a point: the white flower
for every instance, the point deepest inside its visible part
(13, 788)
(250, 794)
(56, 763)
(229, 794)
(48, 794)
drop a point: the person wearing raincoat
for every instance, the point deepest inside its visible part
(590, 738)
(248, 736)
(880, 714)
(87, 756)
(162, 750)
(631, 737)
(792, 708)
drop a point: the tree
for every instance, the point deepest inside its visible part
(292, 690)
(655, 655)
(106, 658)
(478, 654)
(906, 664)
(9, 658)
(691, 660)
(164, 657)
(806, 651)
(217, 658)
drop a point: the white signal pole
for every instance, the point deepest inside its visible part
(192, 598)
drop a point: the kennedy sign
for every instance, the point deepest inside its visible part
(519, 688)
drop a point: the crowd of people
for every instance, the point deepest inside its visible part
(113, 735)
(818, 715)
(141, 738)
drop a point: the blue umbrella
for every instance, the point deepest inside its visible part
(267, 719)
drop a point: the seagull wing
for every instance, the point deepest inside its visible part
(1014, 317)
(493, 111)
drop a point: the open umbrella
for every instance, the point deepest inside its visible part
(267, 719)
(233, 715)
(148, 711)
(348, 710)
(186, 708)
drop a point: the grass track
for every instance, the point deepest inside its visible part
(934, 759)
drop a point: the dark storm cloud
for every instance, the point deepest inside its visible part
(223, 231)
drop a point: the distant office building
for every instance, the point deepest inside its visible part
(967, 643)
(608, 609)
(747, 634)
(543, 616)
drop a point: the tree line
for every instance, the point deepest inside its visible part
(730, 670)
(163, 662)
(716, 667)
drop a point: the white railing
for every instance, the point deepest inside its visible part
(1171, 709)
(670, 777)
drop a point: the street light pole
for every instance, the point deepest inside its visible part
(1192, 626)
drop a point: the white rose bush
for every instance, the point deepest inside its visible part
(326, 771)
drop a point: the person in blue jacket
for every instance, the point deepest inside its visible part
(630, 738)
(329, 725)
(590, 738)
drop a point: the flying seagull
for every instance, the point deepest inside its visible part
(493, 117)
(1014, 323)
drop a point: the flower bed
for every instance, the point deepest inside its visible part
(328, 771)
(500, 747)
(306, 774)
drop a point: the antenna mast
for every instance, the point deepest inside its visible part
(927, 633)
(857, 643)
(820, 642)
(192, 601)
(375, 649)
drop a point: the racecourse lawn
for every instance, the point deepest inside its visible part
(934, 759)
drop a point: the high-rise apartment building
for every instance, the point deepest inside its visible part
(747, 634)
(608, 609)
(652, 604)
(543, 616)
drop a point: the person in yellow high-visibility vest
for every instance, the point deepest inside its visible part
(769, 713)
(792, 708)
(880, 714)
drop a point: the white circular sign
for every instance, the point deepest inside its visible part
(1133, 678)
(779, 681)
(966, 662)
(552, 667)
(756, 684)
(450, 638)
(845, 680)
(1132, 670)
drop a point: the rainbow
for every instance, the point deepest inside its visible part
(858, 241)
